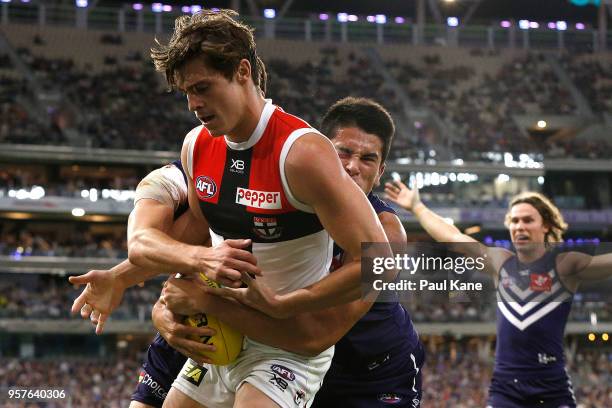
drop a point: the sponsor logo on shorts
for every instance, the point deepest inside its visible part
(375, 364)
(283, 371)
(540, 283)
(545, 358)
(205, 187)
(146, 379)
(389, 398)
(299, 397)
(266, 227)
(193, 373)
(416, 403)
(267, 200)
(279, 382)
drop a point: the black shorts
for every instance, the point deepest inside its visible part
(555, 392)
(395, 381)
(161, 366)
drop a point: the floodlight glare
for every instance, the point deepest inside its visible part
(452, 21)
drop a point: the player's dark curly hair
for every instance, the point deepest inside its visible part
(216, 36)
(363, 113)
(551, 216)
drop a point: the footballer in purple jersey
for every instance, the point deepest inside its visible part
(535, 286)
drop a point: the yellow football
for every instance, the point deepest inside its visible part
(228, 341)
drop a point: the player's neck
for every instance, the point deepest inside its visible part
(532, 254)
(246, 127)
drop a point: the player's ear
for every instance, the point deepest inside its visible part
(381, 171)
(243, 74)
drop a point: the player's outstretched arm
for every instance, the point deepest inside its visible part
(584, 268)
(432, 223)
(439, 229)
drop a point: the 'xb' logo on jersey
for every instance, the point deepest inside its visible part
(205, 187)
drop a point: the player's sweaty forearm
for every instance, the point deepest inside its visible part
(437, 227)
(166, 247)
(159, 253)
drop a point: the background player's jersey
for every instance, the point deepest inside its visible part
(243, 193)
(532, 309)
(386, 326)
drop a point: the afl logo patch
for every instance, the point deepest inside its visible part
(205, 187)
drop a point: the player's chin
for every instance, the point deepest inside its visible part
(524, 244)
(216, 129)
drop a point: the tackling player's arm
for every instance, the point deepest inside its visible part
(306, 333)
(152, 231)
(157, 197)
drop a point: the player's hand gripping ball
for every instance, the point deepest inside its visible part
(228, 341)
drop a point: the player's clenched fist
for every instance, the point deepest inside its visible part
(225, 263)
(185, 296)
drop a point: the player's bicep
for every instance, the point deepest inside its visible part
(147, 214)
(393, 227)
(191, 229)
(316, 178)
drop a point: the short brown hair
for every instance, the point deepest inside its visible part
(363, 113)
(216, 36)
(551, 216)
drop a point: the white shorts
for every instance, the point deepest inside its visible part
(289, 379)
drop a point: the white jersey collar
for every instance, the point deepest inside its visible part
(259, 129)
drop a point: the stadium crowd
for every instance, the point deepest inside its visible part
(126, 106)
(479, 109)
(24, 178)
(49, 298)
(21, 242)
(459, 380)
(310, 88)
(593, 77)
